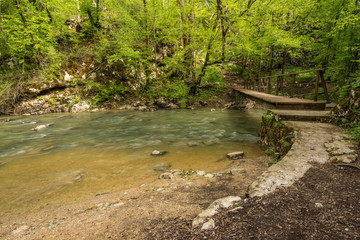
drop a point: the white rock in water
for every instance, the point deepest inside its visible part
(235, 155)
(158, 153)
(41, 127)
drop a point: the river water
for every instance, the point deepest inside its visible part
(81, 155)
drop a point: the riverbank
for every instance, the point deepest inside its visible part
(126, 213)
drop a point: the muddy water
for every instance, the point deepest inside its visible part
(81, 155)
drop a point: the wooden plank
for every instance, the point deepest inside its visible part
(323, 83)
(293, 78)
(317, 86)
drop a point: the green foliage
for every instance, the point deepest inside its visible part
(104, 92)
(275, 156)
(270, 116)
(355, 130)
(162, 47)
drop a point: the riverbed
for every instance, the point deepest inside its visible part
(79, 156)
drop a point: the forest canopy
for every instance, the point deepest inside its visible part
(170, 47)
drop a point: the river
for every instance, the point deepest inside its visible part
(80, 155)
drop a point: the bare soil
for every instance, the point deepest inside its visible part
(323, 204)
(130, 214)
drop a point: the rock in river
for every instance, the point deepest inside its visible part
(235, 155)
(156, 153)
(41, 127)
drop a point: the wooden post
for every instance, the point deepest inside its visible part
(293, 78)
(317, 86)
(277, 85)
(282, 85)
(268, 85)
(323, 83)
(259, 84)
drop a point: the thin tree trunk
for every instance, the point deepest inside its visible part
(219, 10)
(146, 25)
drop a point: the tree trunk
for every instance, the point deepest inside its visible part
(219, 10)
(146, 25)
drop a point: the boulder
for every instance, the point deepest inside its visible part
(201, 173)
(235, 155)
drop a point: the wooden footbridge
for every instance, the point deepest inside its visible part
(287, 108)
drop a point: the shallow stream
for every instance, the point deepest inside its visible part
(81, 155)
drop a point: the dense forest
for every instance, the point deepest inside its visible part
(167, 48)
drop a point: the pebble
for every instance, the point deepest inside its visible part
(319, 205)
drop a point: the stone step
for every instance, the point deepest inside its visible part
(300, 115)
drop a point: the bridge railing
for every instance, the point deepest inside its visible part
(263, 84)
